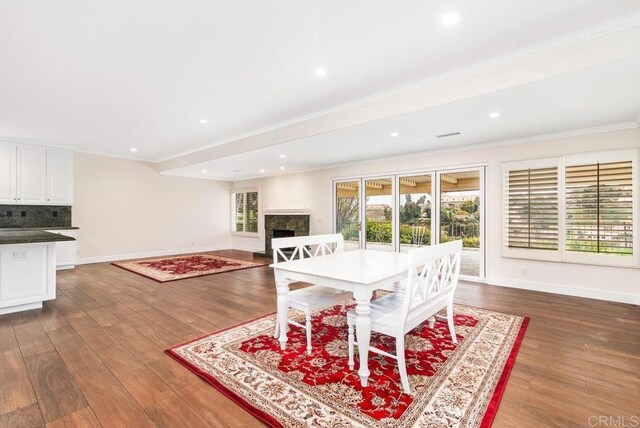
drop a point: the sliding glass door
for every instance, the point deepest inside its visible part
(461, 216)
(403, 212)
(347, 212)
(415, 209)
(378, 212)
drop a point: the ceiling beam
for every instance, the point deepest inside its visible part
(346, 186)
(407, 182)
(374, 185)
(448, 178)
(587, 48)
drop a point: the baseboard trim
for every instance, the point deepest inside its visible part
(118, 257)
(567, 290)
(254, 249)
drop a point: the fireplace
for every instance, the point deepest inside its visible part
(283, 224)
(283, 233)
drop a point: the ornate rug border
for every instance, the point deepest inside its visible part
(496, 398)
(487, 420)
(117, 264)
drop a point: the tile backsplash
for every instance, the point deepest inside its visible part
(34, 216)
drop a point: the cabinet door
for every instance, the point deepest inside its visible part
(8, 173)
(31, 174)
(24, 273)
(59, 176)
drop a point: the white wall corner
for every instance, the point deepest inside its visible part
(612, 296)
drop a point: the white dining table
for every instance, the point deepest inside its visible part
(359, 271)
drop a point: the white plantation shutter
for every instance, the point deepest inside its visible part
(599, 208)
(252, 212)
(533, 208)
(237, 221)
(580, 208)
(244, 211)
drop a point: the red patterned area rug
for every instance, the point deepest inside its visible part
(173, 268)
(451, 385)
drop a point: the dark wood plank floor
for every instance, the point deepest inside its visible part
(94, 356)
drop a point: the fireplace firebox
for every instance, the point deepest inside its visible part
(283, 233)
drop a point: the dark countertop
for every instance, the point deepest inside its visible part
(30, 236)
(6, 229)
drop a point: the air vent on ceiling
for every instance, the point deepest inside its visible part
(450, 134)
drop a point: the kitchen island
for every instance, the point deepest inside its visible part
(27, 268)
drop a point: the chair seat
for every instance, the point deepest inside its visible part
(386, 311)
(316, 297)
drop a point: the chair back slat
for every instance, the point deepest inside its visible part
(302, 246)
(433, 272)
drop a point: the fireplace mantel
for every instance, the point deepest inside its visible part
(287, 212)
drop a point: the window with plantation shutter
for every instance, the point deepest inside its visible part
(244, 211)
(252, 212)
(580, 208)
(599, 208)
(533, 208)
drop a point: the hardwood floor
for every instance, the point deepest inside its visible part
(94, 356)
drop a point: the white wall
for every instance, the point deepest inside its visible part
(313, 191)
(126, 209)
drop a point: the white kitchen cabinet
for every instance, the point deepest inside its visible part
(31, 174)
(8, 174)
(27, 276)
(59, 176)
(35, 175)
(66, 250)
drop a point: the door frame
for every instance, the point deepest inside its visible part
(482, 171)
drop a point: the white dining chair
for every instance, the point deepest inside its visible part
(431, 284)
(314, 297)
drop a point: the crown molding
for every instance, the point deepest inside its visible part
(596, 31)
(72, 148)
(34, 143)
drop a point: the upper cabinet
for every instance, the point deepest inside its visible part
(59, 176)
(8, 174)
(35, 175)
(31, 174)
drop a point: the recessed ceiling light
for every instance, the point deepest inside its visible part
(320, 72)
(449, 19)
(133, 149)
(283, 156)
(394, 134)
(281, 167)
(261, 171)
(494, 115)
(204, 171)
(204, 121)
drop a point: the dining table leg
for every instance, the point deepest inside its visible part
(362, 296)
(282, 286)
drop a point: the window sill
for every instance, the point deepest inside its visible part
(599, 261)
(246, 234)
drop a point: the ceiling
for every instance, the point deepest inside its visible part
(104, 77)
(597, 96)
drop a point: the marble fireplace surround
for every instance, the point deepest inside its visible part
(297, 221)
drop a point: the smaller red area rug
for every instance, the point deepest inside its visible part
(452, 385)
(173, 268)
